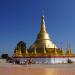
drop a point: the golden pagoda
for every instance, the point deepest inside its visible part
(43, 49)
(43, 45)
(43, 42)
(43, 39)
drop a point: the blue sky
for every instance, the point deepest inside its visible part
(21, 19)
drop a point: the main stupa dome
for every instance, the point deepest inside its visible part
(43, 40)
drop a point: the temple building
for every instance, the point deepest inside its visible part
(43, 50)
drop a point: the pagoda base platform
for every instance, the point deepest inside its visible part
(46, 60)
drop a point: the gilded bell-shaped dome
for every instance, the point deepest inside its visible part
(43, 39)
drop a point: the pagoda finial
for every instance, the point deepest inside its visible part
(43, 27)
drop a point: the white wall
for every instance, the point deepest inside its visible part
(47, 60)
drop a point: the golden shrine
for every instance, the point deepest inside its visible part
(42, 47)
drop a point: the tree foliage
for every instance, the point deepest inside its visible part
(21, 46)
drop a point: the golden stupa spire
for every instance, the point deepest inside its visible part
(26, 51)
(69, 51)
(55, 51)
(44, 50)
(43, 27)
(35, 52)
